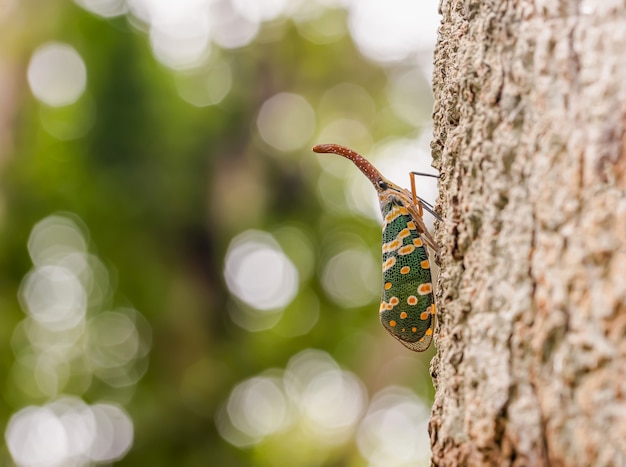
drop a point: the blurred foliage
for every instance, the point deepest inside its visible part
(162, 187)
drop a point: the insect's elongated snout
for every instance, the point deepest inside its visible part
(363, 164)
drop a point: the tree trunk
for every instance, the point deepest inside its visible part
(529, 139)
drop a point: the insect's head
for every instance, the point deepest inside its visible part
(385, 187)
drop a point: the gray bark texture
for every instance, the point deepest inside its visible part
(530, 109)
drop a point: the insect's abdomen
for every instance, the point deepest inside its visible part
(407, 309)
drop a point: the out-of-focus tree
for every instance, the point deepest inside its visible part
(183, 281)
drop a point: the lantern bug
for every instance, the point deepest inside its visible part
(407, 309)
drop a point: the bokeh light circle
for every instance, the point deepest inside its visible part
(313, 393)
(390, 31)
(66, 432)
(205, 87)
(351, 278)
(259, 273)
(181, 44)
(57, 74)
(231, 29)
(286, 121)
(114, 433)
(258, 407)
(54, 238)
(36, 437)
(394, 431)
(104, 8)
(54, 296)
(260, 10)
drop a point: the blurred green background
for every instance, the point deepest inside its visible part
(182, 281)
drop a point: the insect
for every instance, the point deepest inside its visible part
(407, 308)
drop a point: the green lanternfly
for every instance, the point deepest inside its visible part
(407, 309)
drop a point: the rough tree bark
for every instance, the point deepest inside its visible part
(529, 138)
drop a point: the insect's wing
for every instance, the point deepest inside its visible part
(407, 310)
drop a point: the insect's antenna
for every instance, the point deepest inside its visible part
(363, 164)
(424, 174)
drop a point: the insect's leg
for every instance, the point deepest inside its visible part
(429, 208)
(420, 211)
(419, 202)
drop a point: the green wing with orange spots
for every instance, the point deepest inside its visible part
(408, 307)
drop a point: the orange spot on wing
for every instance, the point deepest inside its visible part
(404, 233)
(389, 263)
(425, 264)
(411, 225)
(391, 246)
(424, 289)
(404, 211)
(418, 242)
(394, 301)
(424, 315)
(414, 329)
(429, 331)
(412, 300)
(392, 323)
(406, 250)
(393, 215)
(405, 270)
(403, 315)
(388, 285)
